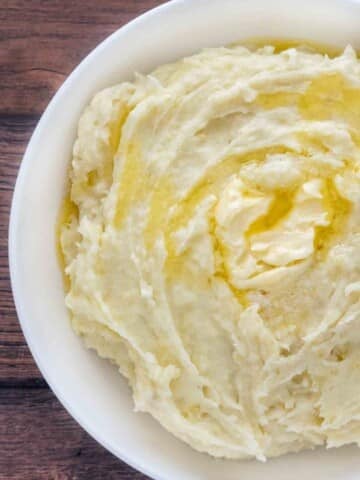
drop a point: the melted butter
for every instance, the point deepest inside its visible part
(68, 212)
(326, 97)
(221, 270)
(211, 184)
(130, 188)
(160, 203)
(338, 210)
(178, 269)
(176, 265)
(92, 178)
(69, 209)
(281, 44)
(280, 206)
(116, 129)
(273, 100)
(330, 96)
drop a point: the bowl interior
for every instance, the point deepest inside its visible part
(90, 388)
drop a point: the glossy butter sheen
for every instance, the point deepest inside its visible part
(212, 246)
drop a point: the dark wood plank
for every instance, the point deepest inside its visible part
(39, 441)
(41, 41)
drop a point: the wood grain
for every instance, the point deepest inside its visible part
(38, 441)
(41, 41)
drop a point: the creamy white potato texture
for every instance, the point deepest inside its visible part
(212, 246)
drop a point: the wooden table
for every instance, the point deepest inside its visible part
(41, 41)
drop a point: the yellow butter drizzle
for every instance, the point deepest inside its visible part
(327, 96)
(338, 209)
(282, 44)
(69, 209)
(161, 201)
(132, 183)
(68, 212)
(210, 184)
(331, 96)
(280, 206)
(272, 100)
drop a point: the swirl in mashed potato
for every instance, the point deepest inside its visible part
(212, 246)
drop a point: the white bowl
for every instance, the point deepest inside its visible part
(89, 388)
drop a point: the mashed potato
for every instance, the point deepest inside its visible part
(212, 246)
